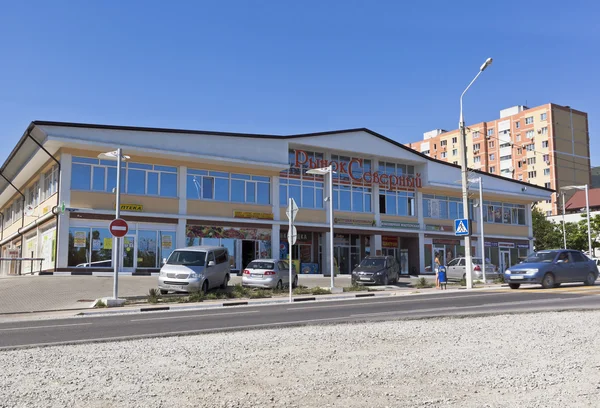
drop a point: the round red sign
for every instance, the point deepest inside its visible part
(118, 228)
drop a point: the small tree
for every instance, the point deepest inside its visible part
(547, 234)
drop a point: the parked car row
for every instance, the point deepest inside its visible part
(202, 268)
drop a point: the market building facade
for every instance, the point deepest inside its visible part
(181, 188)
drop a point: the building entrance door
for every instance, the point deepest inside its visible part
(129, 251)
(441, 255)
(504, 260)
(249, 253)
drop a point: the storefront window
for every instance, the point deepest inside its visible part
(101, 245)
(442, 207)
(397, 203)
(214, 185)
(147, 249)
(137, 178)
(503, 213)
(79, 246)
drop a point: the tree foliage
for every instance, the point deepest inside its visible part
(549, 235)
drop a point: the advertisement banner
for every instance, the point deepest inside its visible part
(80, 239)
(108, 243)
(389, 242)
(166, 242)
(199, 231)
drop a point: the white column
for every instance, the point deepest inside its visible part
(182, 190)
(275, 199)
(376, 244)
(180, 238)
(62, 240)
(421, 253)
(375, 195)
(419, 209)
(275, 232)
(64, 194)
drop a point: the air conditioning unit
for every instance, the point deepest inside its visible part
(548, 162)
(539, 131)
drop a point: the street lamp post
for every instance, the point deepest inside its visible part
(480, 181)
(118, 156)
(323, 171)
(587, 206)
(464, 178)
(563, 221)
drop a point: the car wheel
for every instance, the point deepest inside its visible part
(225, 282)
(279, 285)
(163, 292)
(548, 281)
(205, 287)
(295, 282)
(590, 280)
(514, 285)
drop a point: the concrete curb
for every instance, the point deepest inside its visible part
(203, 305)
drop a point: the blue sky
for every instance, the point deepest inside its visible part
(285, 67)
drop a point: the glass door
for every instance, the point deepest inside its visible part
(504, 260)
(342, 255)
(129, 253)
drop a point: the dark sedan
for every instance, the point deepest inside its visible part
(551, 268)
(376, 270)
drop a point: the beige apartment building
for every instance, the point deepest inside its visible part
(547, 145)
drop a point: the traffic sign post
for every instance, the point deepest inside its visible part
(118, 228)
(291, 212)
(461, 227)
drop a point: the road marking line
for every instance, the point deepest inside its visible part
(192, 316)
(403, 299)
(45, 327)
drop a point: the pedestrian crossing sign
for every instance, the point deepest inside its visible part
(461, 227)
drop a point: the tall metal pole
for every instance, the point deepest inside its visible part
(290, 244)
(563, 221)
(481, 228)
(465, 196)
(117, 215)
(331, 266)
(587, 205)
(465, 186)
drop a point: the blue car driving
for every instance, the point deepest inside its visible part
(550, 268)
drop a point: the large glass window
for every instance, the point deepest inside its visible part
(305, 189)
(136, 178)
(442, 207)
(50, 182)
(503, 213)
(393, 202)
(214, 185)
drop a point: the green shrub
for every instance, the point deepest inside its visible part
(423, 283)
(355, 288)
(153, 295)
(259, 294)
(100, 304)
(320, 291)
(302, 290)
(195, 297)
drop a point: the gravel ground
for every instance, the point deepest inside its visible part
(534, 360)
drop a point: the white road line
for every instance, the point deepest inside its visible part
(193, 316)
(45, 327)
(403, 299)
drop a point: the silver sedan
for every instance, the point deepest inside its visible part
(269, 273)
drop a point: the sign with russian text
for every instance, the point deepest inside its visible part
(350, 221)
(80, 239)
(405, 225)
(444, 228)
(132, 207)
(253, 215)
(355, 170)
(389, 242)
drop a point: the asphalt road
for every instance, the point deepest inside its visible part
(153, 324)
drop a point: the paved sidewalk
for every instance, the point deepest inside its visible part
(23, 294)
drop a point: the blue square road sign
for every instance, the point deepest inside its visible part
(461, 227)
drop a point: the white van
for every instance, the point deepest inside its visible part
(192, 269)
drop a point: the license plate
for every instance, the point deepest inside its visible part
(256, 275)
(364, 279)
(516, 277)
(176, 287)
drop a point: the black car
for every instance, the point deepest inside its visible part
(381, 270)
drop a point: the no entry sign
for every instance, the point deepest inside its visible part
(118, 228)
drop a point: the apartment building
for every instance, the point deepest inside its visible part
(547, 145)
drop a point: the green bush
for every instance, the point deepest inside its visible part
(320, 291)
(195, 297)
(153, 295)
(355, 288)
(423, 283)
(259, 294)
(100, 304)
(302, 290)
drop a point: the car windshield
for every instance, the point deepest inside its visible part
(187, 258)
(261, 265)
(542, 256)
(373, 263)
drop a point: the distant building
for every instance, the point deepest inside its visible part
(525, 144)
(595, 177)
